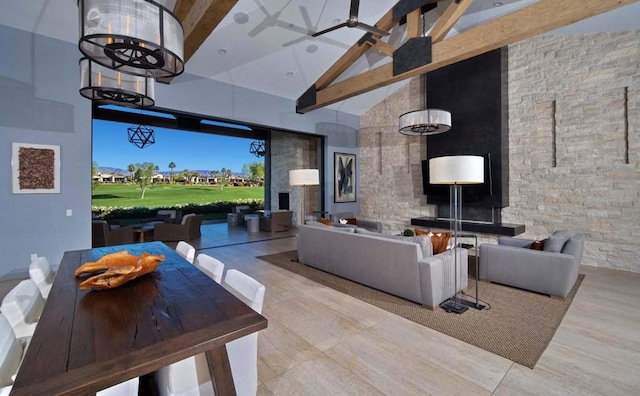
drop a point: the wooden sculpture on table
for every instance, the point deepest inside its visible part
(119, 268)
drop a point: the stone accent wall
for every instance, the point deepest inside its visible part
(292, 151)
(582, 175)
(572, 165)
(391, 163)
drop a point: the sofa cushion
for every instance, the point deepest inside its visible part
(314, 223)
(185, 217)
(423, 241)
(555, 243)
(345, 229)
(538, 245)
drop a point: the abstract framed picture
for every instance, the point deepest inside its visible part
(35, 168)
(344, 166)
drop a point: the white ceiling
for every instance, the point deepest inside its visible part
(264, 44)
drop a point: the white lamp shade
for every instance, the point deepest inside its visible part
(457, 169)
(304, 177)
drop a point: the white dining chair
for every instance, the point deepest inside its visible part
(22, 307)
(243, 352)
(41, 273)
(10, 356)
(191, 376)
(187, 251)
(210, 266)
(126, 388)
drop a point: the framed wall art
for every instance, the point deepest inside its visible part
(344, 166)
(35, 168)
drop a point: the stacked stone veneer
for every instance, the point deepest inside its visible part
(574, 146)
(584, 174)
(292, 151)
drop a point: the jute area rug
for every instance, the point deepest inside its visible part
(516, 324)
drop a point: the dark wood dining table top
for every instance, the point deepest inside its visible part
(86, 341)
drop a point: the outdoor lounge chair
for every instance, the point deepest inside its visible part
(187, 230)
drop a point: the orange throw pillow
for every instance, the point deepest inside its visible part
(326, 221)
(439, 240)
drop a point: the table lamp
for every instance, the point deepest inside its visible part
(455, 171)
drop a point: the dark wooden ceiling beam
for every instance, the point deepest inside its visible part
(540, 17)
(353, 54)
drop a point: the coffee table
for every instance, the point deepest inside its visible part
(143, 232)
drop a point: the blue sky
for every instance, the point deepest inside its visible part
(189, 150)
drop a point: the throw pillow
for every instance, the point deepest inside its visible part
(555, 243)
(538, 245)
(351, 221)
(440, 240)
(326, 221)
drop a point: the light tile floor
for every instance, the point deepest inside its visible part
(322, 342)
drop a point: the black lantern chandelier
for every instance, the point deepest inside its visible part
(258, 148)
(141, 136)
(110, 86)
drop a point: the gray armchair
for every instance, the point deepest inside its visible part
(552, 271)
(374, 226)
(102, 234)
(277, 221)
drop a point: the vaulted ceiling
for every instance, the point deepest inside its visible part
(265, 45)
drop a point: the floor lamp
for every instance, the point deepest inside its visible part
(456, 171)
(304, 178)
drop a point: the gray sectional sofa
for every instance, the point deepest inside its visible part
(397, 265)
(552, 271)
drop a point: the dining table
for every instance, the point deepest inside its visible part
(89, 340)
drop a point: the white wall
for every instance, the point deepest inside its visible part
(39, 103)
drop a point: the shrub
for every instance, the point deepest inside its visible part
(117, 213)
(408, 232)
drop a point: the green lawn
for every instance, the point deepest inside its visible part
(164, 195)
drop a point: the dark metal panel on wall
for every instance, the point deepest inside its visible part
(474, 91)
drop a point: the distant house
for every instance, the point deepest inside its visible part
(110, 178)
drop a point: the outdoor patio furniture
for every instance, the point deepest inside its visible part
(102, 235)
(277, 221)
(187, 230)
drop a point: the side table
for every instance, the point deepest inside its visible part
(253, 222)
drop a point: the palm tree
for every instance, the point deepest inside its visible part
(172, 165)
(131, 168)
(187, 175)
